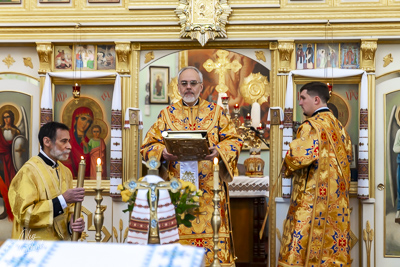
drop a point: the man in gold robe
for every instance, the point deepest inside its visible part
(317, 227)
(194, 113)
(41, 193)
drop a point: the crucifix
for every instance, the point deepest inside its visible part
(173, 185)
(221, 66)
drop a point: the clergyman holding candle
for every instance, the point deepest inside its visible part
(41, 192)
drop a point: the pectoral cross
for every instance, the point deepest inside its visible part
(173, 185)
(197, 213)
(221, 66)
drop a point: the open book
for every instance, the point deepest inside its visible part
(187, 145)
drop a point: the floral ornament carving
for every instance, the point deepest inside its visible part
(387, 60)
(255, 88)
(149, 57)
(368, 48)
(9, 60)
(203, 19)
(28, 62)
(44, 51)
(285, 51)
(260, 55)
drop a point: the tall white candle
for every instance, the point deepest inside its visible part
(255, 114)
(98, 173)
(216, 174)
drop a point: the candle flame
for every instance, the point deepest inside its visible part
(98, 161)
(82, 157)
(215, 161)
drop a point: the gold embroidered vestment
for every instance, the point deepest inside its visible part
(221, 133)
(317, 227)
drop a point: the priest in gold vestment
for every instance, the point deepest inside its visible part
(41, 193)
(194, 113)
(317, 227)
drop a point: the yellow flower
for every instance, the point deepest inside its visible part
(126, 194)
(195, 199)
(199, 193)
(184, 183)
(120, 187)
(192, 187)
(141, 178)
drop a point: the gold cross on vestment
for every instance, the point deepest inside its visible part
(221, 66)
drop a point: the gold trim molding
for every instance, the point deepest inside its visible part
(203, 19)
(368, 48)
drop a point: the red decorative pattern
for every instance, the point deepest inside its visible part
(116, 119)
(46, 115)
(362, 168)
(116, 168)
(364, 119)
(288, 118)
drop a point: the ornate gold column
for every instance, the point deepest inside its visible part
(124, 66)
(44, 51)
(368, 49)
(281, 64)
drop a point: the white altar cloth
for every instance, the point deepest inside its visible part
(243, 186)
(16, 253)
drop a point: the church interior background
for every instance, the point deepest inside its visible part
(126, 54)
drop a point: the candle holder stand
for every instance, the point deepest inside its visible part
(99, 215)
(216, 224)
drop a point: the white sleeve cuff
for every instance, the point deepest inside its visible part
(62, 201)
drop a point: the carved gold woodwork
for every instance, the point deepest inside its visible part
(368, 237)
(255, 88)
(9, 60)
(44, 51)
(121, 227)
(285, 49)
(173, 91)
(203, 19)
(123, 51)
(149, 57)
(221, 66)
(260, 55)
(368, 48)
(28, 62)
(387, 60)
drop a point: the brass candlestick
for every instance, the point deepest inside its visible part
(216, 224)
(99, 215)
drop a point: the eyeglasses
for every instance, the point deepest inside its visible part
(192, 83)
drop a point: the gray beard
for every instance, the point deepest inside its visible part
(189, 99)
(59, 155)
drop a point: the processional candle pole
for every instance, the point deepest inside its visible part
(216, 217)
(99, 216)
(78, 205)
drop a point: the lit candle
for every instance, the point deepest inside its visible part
(248, 117)
(98, 174)
(260, 127)
(216, 176)
(236, 106)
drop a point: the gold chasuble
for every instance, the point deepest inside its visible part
(222, 135)
(317, 227)
(31, 193)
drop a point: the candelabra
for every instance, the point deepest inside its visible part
(216, 224)
(99, 215)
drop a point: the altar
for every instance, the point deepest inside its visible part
(248, 198)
